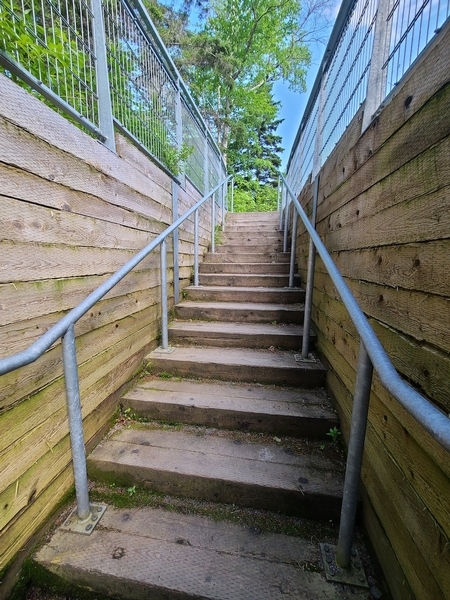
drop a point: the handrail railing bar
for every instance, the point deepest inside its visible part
(432, 419)
(37, 348)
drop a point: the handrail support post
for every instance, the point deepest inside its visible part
(354, 458)
(164, 318)
(75, 424)
(293, 248)
(196, 248)
(310, 276)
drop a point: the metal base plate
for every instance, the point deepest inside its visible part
(354, 575)
(72, 523)
(311, 359)
(160, 350)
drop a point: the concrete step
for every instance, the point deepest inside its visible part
(207, 466)
(236, 335)
(248, 312)
(262, 249)
(263, 226)
(244, 294)
(246, 268)
(246, 280)
(252, 237)
(269, 268)
(248, 218)
(238, 364)
(247, 257)
(141, 553)
(257, 408)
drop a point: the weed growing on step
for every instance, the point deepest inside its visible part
(334, 434)
(165, 375)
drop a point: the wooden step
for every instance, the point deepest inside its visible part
(259, 408)
(248, 312)
(246, 280)
(244, 294)
(218, 469)
(248, 218)
(236, 335)
(238, 364)
(269, 268)
(141, 553)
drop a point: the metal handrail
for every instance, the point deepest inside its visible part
(371, 356)
(64, 329)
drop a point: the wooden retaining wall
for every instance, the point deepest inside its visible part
(384, 214)
(71, 213)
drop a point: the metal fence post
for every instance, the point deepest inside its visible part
(75, 424)
(164, 319)
(106, 123)
(354, 457)
(376, 83)
(176, 270)
(196, 248)
(310, 276)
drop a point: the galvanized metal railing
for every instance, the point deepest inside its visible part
(372, 356)
(372, 45)
(64, 330)
(103, 64)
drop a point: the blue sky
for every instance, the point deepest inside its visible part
(293, 104)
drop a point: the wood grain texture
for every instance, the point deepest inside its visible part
(383, 213)
(72, 213)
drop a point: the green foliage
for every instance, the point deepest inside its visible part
(334, 434)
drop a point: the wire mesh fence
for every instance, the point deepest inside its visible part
(55, 45)
(53, 41)
(387, 35)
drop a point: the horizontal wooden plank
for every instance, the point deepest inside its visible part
(422, 316)
(27, 300)
(23, 185)
(414, 193)
(423, 81)
(413, 532)
(19, 384)
(18, 336)
(138, 160)
(32, 115)
(424, 463)
(38, 424)
(24, 151)
(28, 487)
(392, 576)
(31, 262)
(426, 127)
(421, 364)
(25, 222)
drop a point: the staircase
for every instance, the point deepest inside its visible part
(251, 431)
